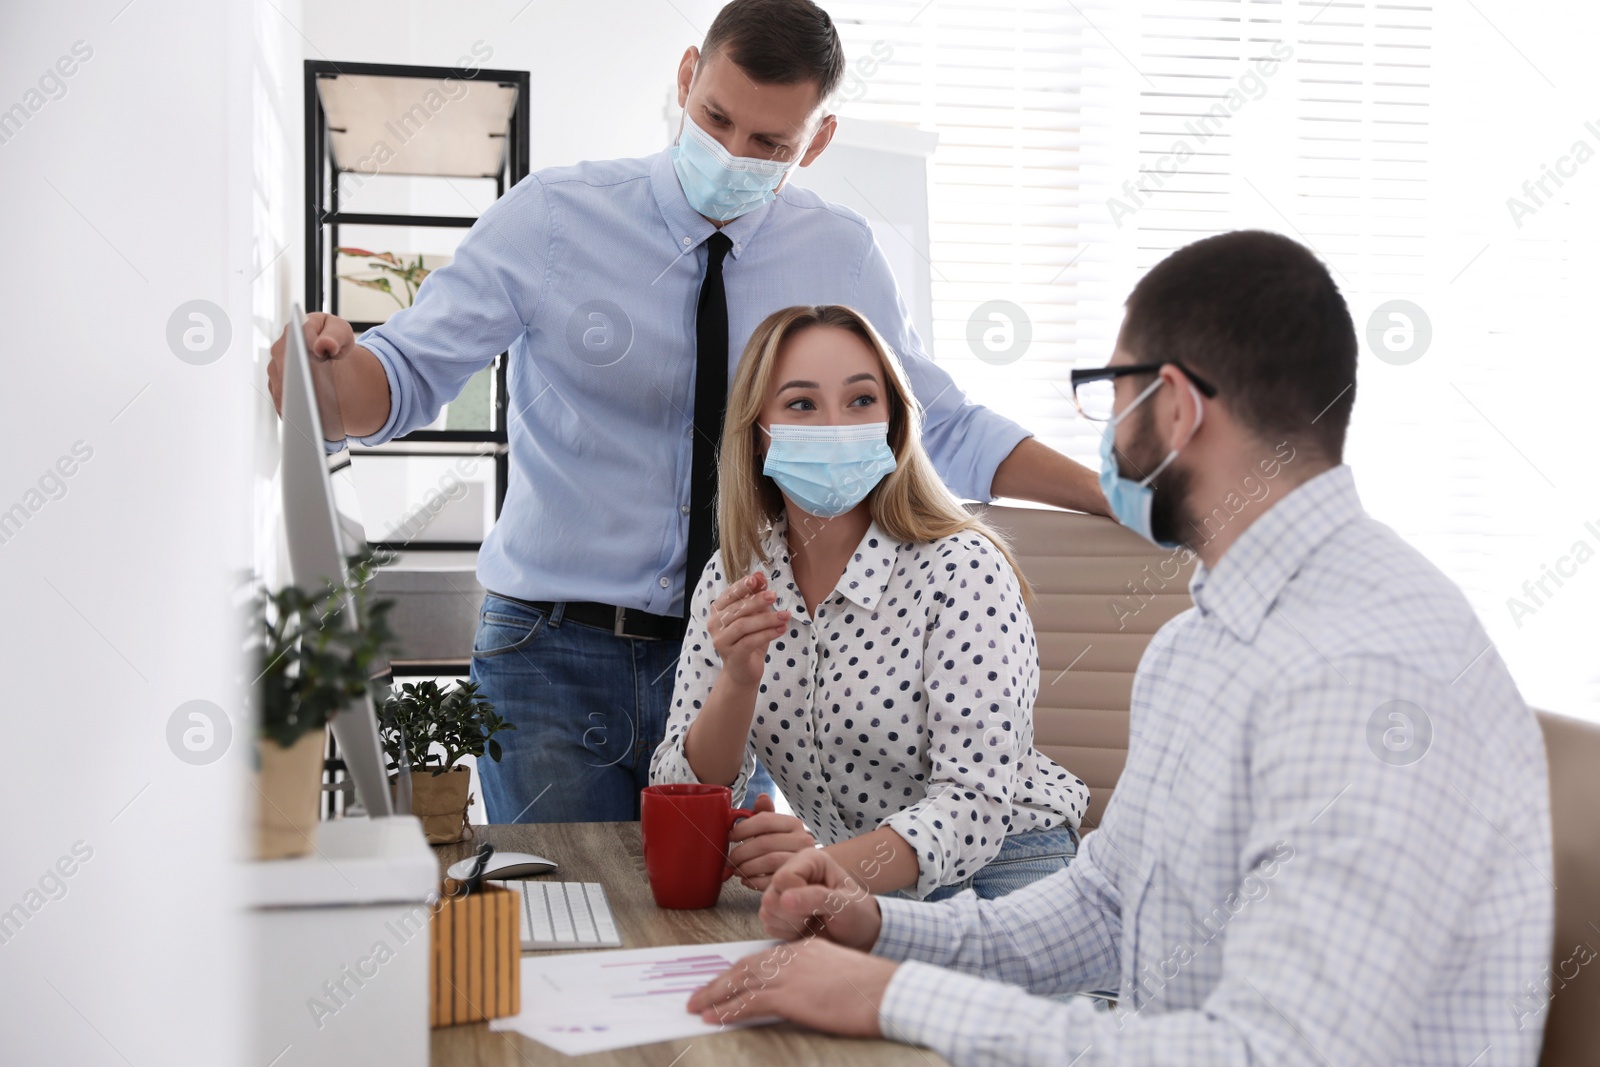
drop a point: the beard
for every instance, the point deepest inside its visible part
(1169, 511)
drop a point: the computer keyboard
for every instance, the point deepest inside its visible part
(564, 915)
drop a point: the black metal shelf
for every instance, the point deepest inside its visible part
(324, 216)
(356, 218)
(464, 436)
(418, 668)
(425, 546)
(432, 147)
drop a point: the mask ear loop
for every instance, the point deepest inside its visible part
(1199, 417)
(1140, 399)
(1116, 419)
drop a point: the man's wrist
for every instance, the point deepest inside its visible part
(361, 383)
(868, 924)
(1034, 471)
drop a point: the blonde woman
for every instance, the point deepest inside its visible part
(874, 651)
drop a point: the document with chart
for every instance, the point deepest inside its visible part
(595, 1001)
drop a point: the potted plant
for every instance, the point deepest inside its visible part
(391, 269)
(310, 665)
(425, 728)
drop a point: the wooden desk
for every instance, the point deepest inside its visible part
(609, 853)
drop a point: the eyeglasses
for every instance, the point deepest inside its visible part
(1094, 391)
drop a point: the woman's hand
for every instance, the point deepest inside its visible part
(742, 625)
(763, 843)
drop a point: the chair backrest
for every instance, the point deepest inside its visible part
(1572, 1025)
(1101, 592)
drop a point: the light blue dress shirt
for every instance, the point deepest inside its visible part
(588, 276)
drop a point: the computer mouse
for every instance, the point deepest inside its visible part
(504, 865)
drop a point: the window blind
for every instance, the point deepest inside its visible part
(1435, 158)
(1019, 94)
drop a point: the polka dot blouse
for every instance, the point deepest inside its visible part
(906, 702)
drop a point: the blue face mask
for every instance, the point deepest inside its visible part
(827, 470)
(718, 184)
(1130, 500)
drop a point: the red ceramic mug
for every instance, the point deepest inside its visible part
(684, 829)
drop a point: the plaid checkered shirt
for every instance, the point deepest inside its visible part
(1330, 844)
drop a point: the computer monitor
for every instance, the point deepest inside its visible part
(316, 544)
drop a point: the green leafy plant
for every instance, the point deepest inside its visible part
(458, 720)
(392, 269)
(311, 664)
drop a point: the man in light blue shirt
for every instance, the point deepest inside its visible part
(604, 281)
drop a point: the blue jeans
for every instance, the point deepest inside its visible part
(1023, 859)
(590, 708)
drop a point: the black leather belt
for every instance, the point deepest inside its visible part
(623, 622)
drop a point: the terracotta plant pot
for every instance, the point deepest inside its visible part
(441, 801)
(288, 795)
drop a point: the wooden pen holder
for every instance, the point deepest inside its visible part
(476, 969)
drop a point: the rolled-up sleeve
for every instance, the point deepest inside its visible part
(979, 673)
(966, 441)
(698, 669)
(466, 312)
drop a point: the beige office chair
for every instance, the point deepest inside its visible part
(1572, 1025)
(1101, 591)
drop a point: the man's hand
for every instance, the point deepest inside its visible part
(763, 843)
(812, 894)
(742, 625)
(327, 337)
(814, 983)
(351, 385)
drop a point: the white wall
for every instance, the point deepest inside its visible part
(273, 185)
(123, 202)
(601, 70)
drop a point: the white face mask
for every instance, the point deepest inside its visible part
(827, 470)
(719, 184)
(1132, 501)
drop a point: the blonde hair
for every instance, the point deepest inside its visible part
(911, 503)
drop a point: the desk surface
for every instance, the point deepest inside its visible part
(609, 853)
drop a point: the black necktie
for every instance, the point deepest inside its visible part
(710, 401)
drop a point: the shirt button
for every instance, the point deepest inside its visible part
(687, 241)
(664, 581)
(683, 509)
